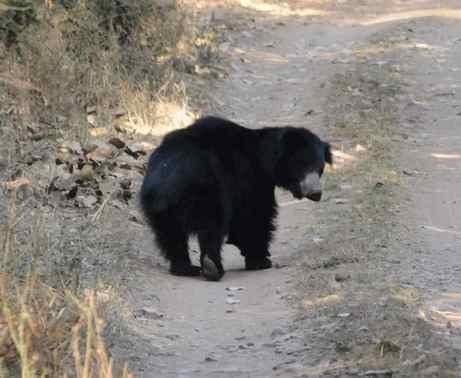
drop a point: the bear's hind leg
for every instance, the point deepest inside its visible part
(174, 244)
(210, 254)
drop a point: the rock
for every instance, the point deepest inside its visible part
(135, 217)
(379, 373)
(342, 347)
(317, 240)
(235, 288)
(172, 337)
(91, 119)
(90, 109)
(125, 195)
(100, 153)
(232, 301)
(360, 148)
(408, 173)
(125, 184)
(137, 149)
(212, 357)
(72, 192)
(341, 277)
(74, 147)
(87, 201)
(331, 262)
(150, 313)
(64, 183)
(116, 142)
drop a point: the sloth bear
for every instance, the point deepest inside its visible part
(216, 178)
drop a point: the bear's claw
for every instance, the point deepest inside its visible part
(259, 264)
(210, 270)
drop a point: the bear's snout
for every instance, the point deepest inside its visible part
(310, 186)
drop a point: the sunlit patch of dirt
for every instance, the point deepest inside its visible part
(408, 15)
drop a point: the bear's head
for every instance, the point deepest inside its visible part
(300, 161)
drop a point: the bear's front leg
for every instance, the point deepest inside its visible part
(253, 247)
(251, 229)
(258, 263)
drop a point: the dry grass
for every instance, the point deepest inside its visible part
(147, 116)
(115, 58)
(47, 331)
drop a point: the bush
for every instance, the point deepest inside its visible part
(15, 16)
(74, 54)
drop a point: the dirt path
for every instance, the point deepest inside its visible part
(282, 71)
(203, 335)
(433, 162)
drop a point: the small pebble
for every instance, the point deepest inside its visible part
(341, 277)
(232, 301)
(235, 288)
(211, 358)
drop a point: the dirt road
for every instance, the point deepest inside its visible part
(433, 164)
(367, 282)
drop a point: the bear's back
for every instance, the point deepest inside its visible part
(214, 134)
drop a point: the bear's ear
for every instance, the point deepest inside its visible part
(328, 155)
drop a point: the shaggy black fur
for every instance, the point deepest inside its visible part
(216, 178)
